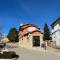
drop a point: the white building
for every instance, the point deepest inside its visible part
(56, 32)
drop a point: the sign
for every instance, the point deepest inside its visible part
(31, 29)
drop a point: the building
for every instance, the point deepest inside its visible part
(30, 36)
(56, 32)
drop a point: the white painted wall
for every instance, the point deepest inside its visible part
(56, 34)
(56, 28)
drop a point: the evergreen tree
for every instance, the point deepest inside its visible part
(46, 35)
(13, 35)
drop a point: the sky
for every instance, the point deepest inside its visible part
(38, 12)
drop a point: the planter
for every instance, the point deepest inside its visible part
(9, 59)
(8, 56)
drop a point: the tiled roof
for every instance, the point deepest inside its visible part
(27, 25)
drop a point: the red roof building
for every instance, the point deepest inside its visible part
(30, 35)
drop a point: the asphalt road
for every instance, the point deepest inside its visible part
(26, 54)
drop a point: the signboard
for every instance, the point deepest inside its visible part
(31, 29)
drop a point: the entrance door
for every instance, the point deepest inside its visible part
(36, 40)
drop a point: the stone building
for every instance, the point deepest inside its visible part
(30, 36)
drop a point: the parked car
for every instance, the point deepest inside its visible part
(2, 44)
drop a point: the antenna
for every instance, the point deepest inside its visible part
(30, 21)
(0, 31)
(0, 27)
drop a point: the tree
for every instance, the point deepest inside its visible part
(13, 35)
(46, 35)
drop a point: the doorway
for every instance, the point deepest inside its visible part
(36, 41)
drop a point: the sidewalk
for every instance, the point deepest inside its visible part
(53, 50)
(50, 49)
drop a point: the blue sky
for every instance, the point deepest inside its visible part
(15, 12)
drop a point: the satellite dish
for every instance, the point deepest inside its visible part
(21, 24)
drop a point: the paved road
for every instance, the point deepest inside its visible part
(26, 54)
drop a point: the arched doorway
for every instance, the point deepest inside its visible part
(36, 41)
